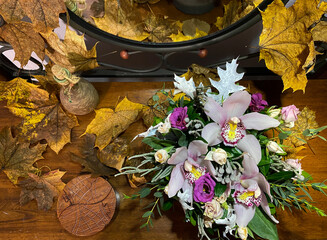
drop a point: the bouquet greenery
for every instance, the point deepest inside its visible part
(221, 155)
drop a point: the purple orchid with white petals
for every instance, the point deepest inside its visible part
(230, 124)
(250, 193)
(194, 154)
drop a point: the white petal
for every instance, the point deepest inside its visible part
(211, 133)
(252, 146)
(258, 121)
(237, 103)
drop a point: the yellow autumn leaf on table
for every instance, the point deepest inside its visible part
(108, 123)
(230, 14)
(43, 116)
(181, 37)
(71, 53)
(122, 19)
(286, 44)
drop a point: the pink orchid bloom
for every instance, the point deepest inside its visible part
(250, 193)
(194, 154)
(231, 123)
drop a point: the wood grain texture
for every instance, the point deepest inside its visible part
(26, 222)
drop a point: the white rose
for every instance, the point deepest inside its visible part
(274, 147)
(242, 232)
(289, 124)
(213, 209)
(161, 156)
(222, 198)
(166, 189)
(274, 113)
(218, 155)
(208, 222)
(164, 127)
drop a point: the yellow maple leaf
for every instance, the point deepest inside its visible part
(71, 53)
(179, 37)
(306, 120)
(286, 44)
(43, 116)
(319, 32)
(108, 123)
(230, 14)
(122, 19)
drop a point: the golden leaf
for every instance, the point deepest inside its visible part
(189, 26)
(44, 14)
(115, 153)
(179, 37)
(43, 189)
(71, 53)
(16, 159)
(319, 32)
(160, 29)
(108, 124)
(201, 74)
(230, 14)
(122, 19)
(24, 40)
(286, 43)
(306, 120)
(43, 116)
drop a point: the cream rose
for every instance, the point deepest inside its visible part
(218, 155)
(274, 147)
(161, 156)
(242, 232)
(213, 209)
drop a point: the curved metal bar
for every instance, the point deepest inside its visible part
(115, 67)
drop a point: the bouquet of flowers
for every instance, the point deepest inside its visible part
(218, 155)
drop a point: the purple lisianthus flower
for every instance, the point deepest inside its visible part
(204, 188)
(177, 118)
(257, 103)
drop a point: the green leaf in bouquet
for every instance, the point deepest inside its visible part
(182, 142)
(146, 214)
(264, 164)
(157, 143)
(220, 189)
(158, 194)
(167, 205)
(284, 135)
(144, 192)
(307, 176)
(262, 226)
(280, 176)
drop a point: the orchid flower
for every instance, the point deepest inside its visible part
(194, 155)
(231, 124)
(250, 193)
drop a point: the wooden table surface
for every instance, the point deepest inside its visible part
(26, 222)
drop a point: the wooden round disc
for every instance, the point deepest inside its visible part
(86, 205)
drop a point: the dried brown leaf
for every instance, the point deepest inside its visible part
(88, 158)
(201, 74)
(115, 153)
(17, 159)
(43, 189)
(160, 29)
(24, 40)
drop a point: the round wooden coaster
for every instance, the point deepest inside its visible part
(86, 205)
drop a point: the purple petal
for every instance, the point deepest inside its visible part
(211, 133)
(265, 207)
(179, 156)
(250, 167)
(236, 104)
(258, 121)
(251, 145)
(244, 214)
(197, 148)
(215, 111)
(176, 180)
